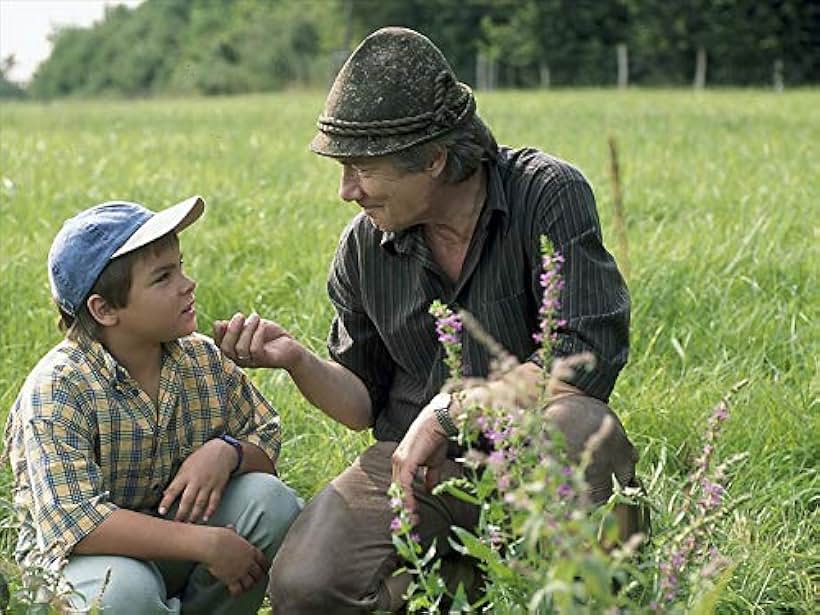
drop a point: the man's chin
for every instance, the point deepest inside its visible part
(380, 224)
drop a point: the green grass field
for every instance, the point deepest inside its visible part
(721, 195)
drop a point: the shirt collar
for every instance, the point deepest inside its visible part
(401, 241)
(404, 240)
(496, 196)
(108, 366)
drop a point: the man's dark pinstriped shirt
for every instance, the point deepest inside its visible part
(382, 284)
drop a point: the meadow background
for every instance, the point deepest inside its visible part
(721, 193)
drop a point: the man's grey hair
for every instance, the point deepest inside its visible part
(467, 146)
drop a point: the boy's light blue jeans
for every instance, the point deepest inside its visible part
(259, 506)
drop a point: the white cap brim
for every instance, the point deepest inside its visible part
(174, 218)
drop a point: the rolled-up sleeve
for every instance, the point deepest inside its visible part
(252, 418)
(69, 497)
(595, 301)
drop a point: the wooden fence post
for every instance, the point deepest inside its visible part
(623, 65)
(700, 68)
(618, 208)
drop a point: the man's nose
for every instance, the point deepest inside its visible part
(349, 187)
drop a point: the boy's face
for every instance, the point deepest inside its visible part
(161, 299)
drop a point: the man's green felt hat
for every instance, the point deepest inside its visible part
(396, 90)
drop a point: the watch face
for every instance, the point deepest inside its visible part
(441, 400)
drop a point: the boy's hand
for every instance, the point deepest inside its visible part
(257, 342)
(200, 482)
(235, 561)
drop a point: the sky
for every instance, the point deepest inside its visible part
(26, 24)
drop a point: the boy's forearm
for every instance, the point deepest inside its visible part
(133, 534)
(254, 459)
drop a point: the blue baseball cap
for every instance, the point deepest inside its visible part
(87, 242)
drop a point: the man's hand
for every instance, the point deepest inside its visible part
(200, 482)
(234, 561)
(424, 445)
(257, 342)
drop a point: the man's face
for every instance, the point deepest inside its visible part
(393, 199)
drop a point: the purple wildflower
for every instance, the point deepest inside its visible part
(721, 412)
(448, 330)
(552, 283)
(712, 494)
(564, 491)
(496, 458)
(395, 524)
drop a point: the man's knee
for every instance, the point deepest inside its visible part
(308, 584)
(589, 423)
(298, 582)
(347, 537)
(118, 585)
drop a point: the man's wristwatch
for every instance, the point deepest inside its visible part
(237, 446)
(441, 406)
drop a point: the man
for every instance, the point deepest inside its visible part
(446, 214)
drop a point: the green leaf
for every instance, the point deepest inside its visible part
(706, 603)
(477, 549)
(596, 578)
(460, 602)
(457, 493)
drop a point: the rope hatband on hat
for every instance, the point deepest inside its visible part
(443, 114)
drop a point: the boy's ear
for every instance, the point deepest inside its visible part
(101, 311)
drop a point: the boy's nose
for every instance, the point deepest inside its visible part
(189, 284)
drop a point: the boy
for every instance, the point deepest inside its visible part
(136, 446)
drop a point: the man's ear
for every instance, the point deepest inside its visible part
(101, 311)
(438, 163)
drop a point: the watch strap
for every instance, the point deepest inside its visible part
(441, 407)
(237, 446)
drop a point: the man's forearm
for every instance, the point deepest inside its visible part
(334, 389)
(521, 386)
(134, 534)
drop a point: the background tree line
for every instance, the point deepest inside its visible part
(234, 46)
